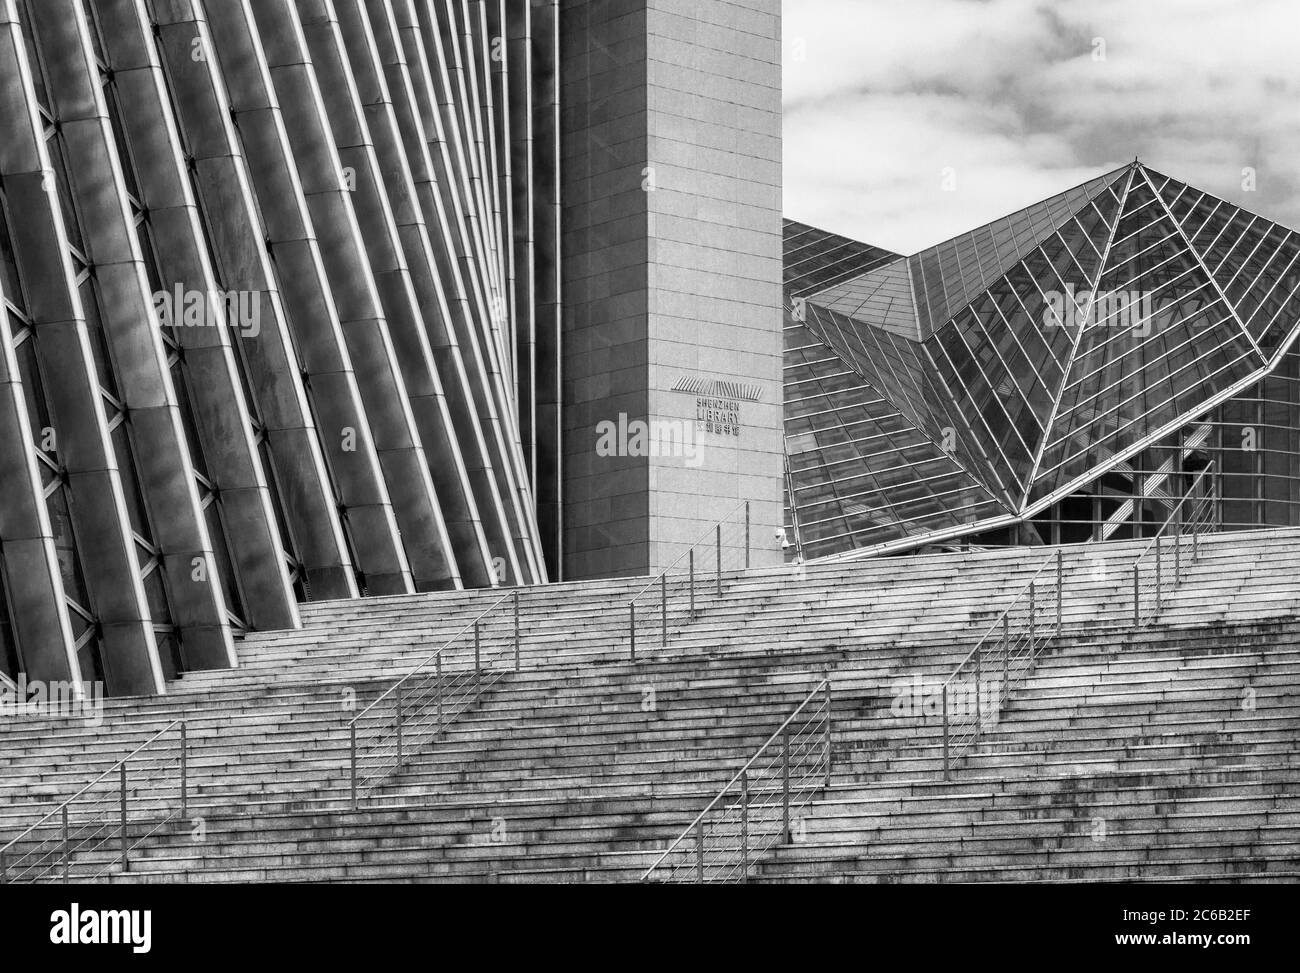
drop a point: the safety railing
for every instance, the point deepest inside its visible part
(1158, 568)
(725, 546)
(755, 810)
(98, 827)
(412, 712)
(972, 697)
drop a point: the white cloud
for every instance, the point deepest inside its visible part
(882, 95)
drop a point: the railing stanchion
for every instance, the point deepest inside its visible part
(1178, 557)
(400, 716)
(692, 570)
(516, 609)
(1137, 597)
(1178, 542)
(979, 684)
(185, 774)
(352, 751)
(744, 826)
(1006, 654)
(631, 627)
(1060, 588)
(945, 731)
(663, 610)
(828, 730)
(126, 860)
(1033, 621)
(746, 535)
(67, 847)
(718, 576)
(438, 687)
(785, 784)
(1160, 584)
(478, 671)
(699, 851)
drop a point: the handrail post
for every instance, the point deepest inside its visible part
(631, 626)
(478, 671)
(516, 609)
(1178, 553)
(1060, 588)
(1006, 654)
(746, 535)
(663, 610)
(699, 851)
(945, 731)
(438, 685)
(352, 760)
(785, 784)
(979, 683)
(1033, 620)
(718, 579)
(828, 731)
(126, 861)
(744, 825)
(691, 558)
(185, 775)
(1160, 583)
(1137, 596)
(67, 847)
(400, 716)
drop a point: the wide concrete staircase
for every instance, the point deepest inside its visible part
(582, 765)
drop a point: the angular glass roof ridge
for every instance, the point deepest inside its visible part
(1175, 299)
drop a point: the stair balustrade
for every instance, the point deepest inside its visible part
(756, 808)
(725, 546)
(411, 713)
(1158, 567)
(97, 828)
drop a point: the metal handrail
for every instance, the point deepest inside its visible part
(425, 701)
(62, 812)
(714, 531)
(1011, 645)
(1002, 618)
(750, 780)
(1200, 520)
(1014, 654)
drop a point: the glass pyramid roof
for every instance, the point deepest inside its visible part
(984, 378)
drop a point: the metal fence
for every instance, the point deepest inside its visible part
(672, 594)
(422, 704)
(972, 697)
(99, 827)
(754, 811)
(1158, 568)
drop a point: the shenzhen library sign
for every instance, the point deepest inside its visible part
(718, 403)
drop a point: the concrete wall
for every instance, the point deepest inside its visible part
(672, 220)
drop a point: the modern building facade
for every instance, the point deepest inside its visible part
(671, 181)
(317, 299)
(1059, 375)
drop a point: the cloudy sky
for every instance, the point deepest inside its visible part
(1016, 100)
